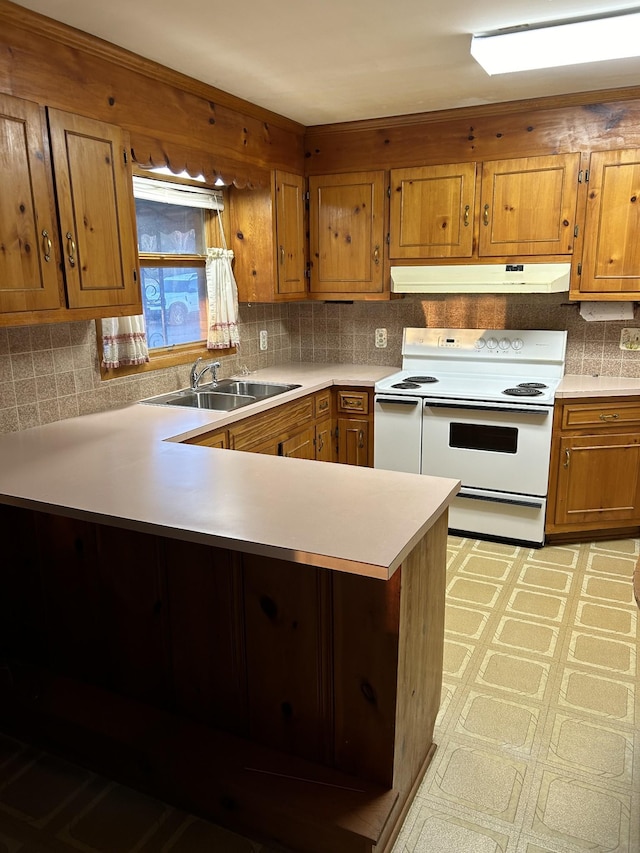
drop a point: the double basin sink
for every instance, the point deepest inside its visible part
(223, 396)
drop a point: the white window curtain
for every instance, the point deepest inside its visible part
(124, 341)
(222, 293)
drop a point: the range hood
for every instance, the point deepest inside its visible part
(482, 278)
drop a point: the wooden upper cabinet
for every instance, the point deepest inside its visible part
(432, 210)
(290, 234)
(29, 278)
(96, 212)
(268, 226)
(611, 251)
(528, 205)
(346, 219)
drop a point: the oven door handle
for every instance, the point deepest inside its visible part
(403, 401)
(486, 408)
(530, 502)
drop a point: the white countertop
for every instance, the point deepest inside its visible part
(123, 467)
(597, 386)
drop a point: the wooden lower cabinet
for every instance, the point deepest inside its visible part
(354, 426)
(282, 700)
(595, 467)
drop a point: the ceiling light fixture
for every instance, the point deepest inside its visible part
(558, 44)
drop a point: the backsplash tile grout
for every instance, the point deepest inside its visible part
(51, 372)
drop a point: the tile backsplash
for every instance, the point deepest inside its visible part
(51, 372)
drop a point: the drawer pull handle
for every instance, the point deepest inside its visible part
(604, 417)
(567, 458)
(320, 443)
(376, 255)
(466, 216)
(485, 215)
(361, 438)
(281, 255)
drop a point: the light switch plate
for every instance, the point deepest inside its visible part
(630, 339)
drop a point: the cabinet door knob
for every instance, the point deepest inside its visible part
(46, 245)
(485, 215)
(376, 255)
(72, 248)
(466, 215)
(361, 438)
(612, 417)
(567, 457)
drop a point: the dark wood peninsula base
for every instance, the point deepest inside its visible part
(285, 701)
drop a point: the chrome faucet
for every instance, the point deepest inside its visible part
(196, 375)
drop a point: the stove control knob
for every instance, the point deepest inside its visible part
(492, 343)
(480, 343)
(504, 343)
(517, 343)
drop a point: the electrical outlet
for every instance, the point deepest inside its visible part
(263, 340)
(630, 339)
(381, 338)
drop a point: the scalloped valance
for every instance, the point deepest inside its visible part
(149, 153)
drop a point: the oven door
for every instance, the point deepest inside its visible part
(493, 446)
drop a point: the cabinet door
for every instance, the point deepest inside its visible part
(598, 479)
(29, 258)
(299, 446)
(290, 234)
(353, 441)
(432, 211)
(95, 204)
(324, 442)
(346, 218)
(611, 253)
(528, 205)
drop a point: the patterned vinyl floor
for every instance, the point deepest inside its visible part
(535, 736)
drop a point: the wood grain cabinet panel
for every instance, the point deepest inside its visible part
(528, 205)
(346, 234)
(29, 278)
(89, 263)
(432, 211)
(95, 203)
(268, 236)
(610, 267)
(595, 468)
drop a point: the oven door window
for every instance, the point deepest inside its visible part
(488, 437)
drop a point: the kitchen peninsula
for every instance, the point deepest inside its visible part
(258, 639)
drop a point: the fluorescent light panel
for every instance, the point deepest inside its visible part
(557, 45)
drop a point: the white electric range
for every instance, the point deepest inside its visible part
(476, 405)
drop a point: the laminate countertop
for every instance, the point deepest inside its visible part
(575, 385)
(126, 468)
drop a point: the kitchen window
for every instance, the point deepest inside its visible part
(176, 220)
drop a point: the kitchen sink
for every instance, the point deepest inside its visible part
(254, 389)
(225, 396)
(211, 400)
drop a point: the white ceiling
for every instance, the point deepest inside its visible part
(341, 60)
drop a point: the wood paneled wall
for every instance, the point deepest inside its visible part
(173, 119)
(583, 123)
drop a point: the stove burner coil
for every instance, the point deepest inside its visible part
(405, 384)
(421, 379)
(532, 385)
(522, 391)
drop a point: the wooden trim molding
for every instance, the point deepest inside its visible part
(79, 40)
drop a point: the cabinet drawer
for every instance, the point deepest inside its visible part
(353, 401)
(323, 404)
(600, 415)
(276, 423)
(219, 438)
